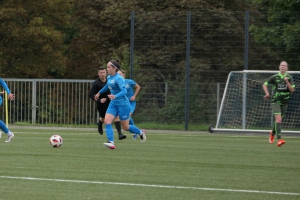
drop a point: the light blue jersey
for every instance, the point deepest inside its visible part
(130, 84)
(4, 85)
(116, 85)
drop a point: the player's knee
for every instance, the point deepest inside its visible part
(125, 127)
(278, 119)
(107, 121)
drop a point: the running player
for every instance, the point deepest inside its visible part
(283, 86)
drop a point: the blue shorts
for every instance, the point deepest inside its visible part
(123, 111)
(132, 105)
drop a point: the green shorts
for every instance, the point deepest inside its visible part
(279, 109)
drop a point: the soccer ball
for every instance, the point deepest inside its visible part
(56, 141)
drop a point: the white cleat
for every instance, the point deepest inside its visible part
(143, 136)
(9, 137)
(109, 145)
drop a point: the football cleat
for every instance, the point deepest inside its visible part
(143, 136)
(9, 137)
(122, 137)
(109, 145)
(280, 142)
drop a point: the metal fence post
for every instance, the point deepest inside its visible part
(33, 101)
(187, 73)
(218, 98)
(246, 49)
(245, 67)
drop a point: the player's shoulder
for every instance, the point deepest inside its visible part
(289, 75)
(274, 76)
(130, 81)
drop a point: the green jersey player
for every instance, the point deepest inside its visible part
(283, 86)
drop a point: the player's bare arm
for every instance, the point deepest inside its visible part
(286, 80)
(265, 87)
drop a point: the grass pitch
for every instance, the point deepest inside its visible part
(171, 165)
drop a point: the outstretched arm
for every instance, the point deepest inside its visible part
(9, 94)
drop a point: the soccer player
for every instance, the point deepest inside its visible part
(103, 101)
(11, 97)
(283, 86)
(132, 91)
(119, 104)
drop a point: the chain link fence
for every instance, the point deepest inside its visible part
(181, 61)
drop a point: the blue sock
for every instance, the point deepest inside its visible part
(3, 127)
(109, 132)
(134, 129)
(131, 122)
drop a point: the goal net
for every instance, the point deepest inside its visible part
(243, 108)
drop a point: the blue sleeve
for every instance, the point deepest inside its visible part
(4, 85)
(131, 82)
(121, 84)
(104, 89)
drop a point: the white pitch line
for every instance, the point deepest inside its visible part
(155, 186)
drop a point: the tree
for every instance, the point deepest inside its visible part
(104, 27)
(279, 34)
(32, 38)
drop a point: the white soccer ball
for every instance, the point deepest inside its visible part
(56, 141)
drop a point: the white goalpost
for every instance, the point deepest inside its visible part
(243, 108)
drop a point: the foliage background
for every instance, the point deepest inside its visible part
(71, 38)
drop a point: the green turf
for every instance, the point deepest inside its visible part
(169, 166)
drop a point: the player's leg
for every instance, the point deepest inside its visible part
(109, 118)
(131, 122)
(4, 128)
(279, 119)
(100, 125)
(277, 125)
(118, 127)
(124, 114)
(101, 110)
(132, 105)
(276, 112)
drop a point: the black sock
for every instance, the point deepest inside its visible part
(100, 130)
(278, 130)
(118, 127)
(274, 129)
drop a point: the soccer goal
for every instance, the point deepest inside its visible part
(243, 108)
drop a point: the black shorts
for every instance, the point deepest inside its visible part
(102, 107)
